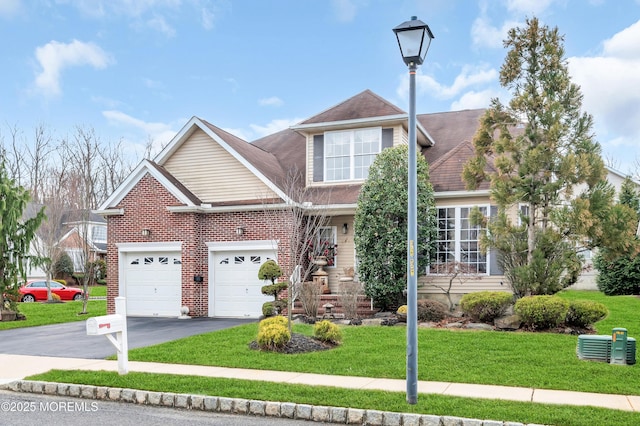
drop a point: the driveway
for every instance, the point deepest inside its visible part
(70, 339)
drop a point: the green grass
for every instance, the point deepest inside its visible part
(98, 291)
(365, 399)
(538, 360)
(55, 313)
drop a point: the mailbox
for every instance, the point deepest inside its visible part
(619, 346)
(106, 324)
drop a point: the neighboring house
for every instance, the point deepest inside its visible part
(79, 227)
(71, 228)
(191, 227)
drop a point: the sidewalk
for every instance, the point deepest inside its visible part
(16, 367)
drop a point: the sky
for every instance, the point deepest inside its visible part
(138, 70)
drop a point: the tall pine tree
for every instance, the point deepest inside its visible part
(541, 158)
(16, 234)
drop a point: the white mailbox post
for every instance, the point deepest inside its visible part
(107, 325)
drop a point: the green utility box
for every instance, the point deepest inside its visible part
(601, 347)
(619, 346)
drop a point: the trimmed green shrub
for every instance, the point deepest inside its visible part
(584, 313)
(485, 306)
(431, 310)
(273, 337)
(541, 312)
(274, 289)
(268, 310)
(269, 270)
(327, 331)
(619, 276)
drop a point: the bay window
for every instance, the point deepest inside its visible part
(459, 241)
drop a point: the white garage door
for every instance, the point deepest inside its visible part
(153, 284)
(236, 290)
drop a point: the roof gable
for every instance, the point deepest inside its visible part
(264, 165)
(363, 105)
(145, 167)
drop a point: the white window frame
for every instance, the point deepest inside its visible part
(349, 137)
(457, 238)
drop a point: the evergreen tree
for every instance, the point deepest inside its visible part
(16, 234)
(381, 226)
(543, 156)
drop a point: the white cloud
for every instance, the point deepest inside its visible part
(159, 24)
(274, 126)
(610, 83)
(483, 34)
(208, 18)
(272, 101)
(469, 76)
(160, 133)
(54, 57)
(528, 7)
(9, 8)
(345, 10)
(473, 100)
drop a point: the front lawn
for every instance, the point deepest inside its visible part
(538, 360)
(55, 313)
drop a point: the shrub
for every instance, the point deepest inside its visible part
(268, 310)
(348, 298)
(327, 331)
(486, 306)
(310, 298)
(55, 297)
(431, 310)
(619, 276)
(402, 309)
(584, 313)
(278, 319)
(541, 312)
(269, 270)
(273, 337)
(63, 282)
(274, 289)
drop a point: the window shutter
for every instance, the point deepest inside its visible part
(494, 266)
(387, 138)
(318, 158)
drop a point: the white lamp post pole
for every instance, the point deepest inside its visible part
(413, 46)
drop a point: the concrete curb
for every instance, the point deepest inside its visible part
(338, 415)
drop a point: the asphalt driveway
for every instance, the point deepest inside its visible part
(70, 340)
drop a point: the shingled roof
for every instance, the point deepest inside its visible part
(363, 105)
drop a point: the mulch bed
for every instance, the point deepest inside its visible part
(298, 344)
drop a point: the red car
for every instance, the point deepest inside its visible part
(37, 290)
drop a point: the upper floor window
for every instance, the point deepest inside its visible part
(349, 153)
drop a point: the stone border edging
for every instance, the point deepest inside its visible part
(315, 413)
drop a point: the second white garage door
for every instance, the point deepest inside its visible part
(235, 290)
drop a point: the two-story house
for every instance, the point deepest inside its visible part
(190, 228)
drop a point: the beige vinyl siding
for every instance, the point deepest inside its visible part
(213, 174)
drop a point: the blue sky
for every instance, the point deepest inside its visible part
(137, 70)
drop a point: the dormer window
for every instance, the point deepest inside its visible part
(348, 154)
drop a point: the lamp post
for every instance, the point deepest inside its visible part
(414, 38)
